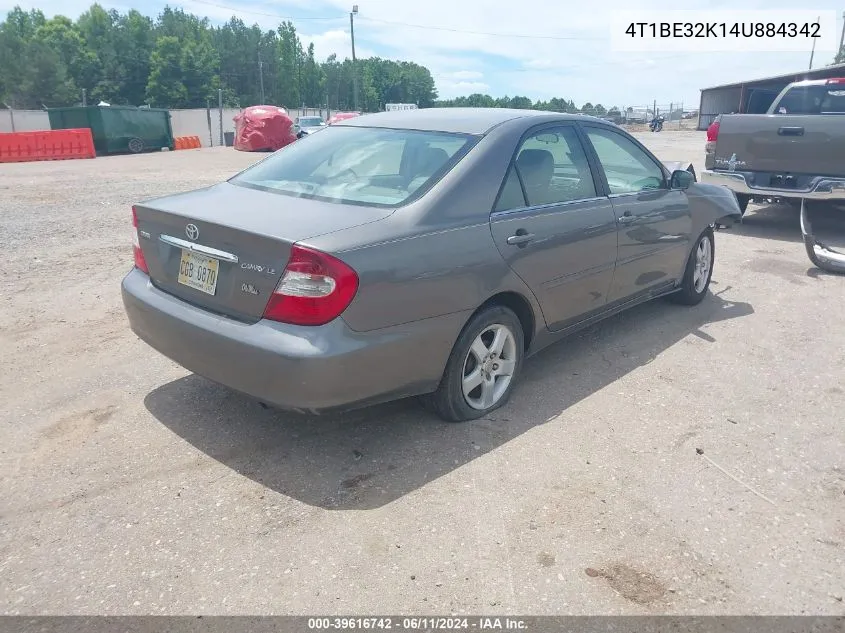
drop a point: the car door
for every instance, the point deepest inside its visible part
(654, 221)
(553, 227)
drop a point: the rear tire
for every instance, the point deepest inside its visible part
(698, 272)
(482, 368)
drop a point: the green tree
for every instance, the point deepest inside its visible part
(135, 41)
(16, 32)
(164, 87)
(46, 81)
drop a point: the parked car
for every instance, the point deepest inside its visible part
(306, 125)
(422, 253)
(263, 128)
(342, 116)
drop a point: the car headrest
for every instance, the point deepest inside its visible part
(536, 166)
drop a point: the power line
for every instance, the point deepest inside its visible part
(271, 15)
(466, 32)
(405, 24)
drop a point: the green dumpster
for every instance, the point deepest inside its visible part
(118, 129)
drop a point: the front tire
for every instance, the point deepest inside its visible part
(698, 272)
(482, 368)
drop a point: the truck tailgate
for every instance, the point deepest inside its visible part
(780, 143)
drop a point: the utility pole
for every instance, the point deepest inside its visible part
(813, 52)
(354, 64)
(261, 75)
(220, 110)
(842, 37)
(84, 97)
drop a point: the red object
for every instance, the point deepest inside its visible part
(315, 289)
(342, 116)
(140, 260)
(263, 127)
(713, 131)
(21, 147)
(187, 142)
(836, 80)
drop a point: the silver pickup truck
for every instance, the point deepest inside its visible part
(794, 153)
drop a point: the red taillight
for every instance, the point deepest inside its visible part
(140, 261)
(836, 80)
(315, 288)
(713, 131)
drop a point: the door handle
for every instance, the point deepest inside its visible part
(626, 217)
(520, 238)
(791, 131)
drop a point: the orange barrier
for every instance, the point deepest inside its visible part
(187, 142)
(20, 147)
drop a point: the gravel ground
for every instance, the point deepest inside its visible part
(130, 486)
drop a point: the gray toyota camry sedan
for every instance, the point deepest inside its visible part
(416, 253)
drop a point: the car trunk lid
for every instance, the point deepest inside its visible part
(781, 144)
(225, 248)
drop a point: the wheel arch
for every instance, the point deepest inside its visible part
(520, 306)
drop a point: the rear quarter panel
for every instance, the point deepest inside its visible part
(435, 256)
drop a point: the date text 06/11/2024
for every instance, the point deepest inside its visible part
(724, 29)
(427, 623)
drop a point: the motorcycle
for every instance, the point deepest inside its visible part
(656, 124)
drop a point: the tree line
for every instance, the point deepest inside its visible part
(180, 60)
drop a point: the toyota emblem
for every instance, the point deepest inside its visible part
(192, 231)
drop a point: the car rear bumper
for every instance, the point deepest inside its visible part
(820, 188)
(305, 369)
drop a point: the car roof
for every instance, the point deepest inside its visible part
(455, 120)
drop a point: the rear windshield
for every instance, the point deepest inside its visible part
(359, 165)
(310, 121)
(813, 100)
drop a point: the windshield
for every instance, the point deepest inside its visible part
(310, 121)
(359, 165)
(813, 100)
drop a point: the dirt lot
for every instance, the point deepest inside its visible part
(130, 486)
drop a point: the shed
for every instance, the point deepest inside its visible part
(755, 95)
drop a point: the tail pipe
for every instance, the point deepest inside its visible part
(822, 256)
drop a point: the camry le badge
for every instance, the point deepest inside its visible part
(192, 231)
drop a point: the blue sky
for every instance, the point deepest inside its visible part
(543, 49)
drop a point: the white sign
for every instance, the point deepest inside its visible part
(391, 107)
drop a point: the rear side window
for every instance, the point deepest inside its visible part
(813, 100)
(359, 165)
(551, 168)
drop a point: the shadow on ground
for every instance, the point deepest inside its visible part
(781, 222)
(371, 457)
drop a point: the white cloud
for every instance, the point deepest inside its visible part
(450, 89)
(467, 74)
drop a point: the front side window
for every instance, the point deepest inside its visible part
(551, 167)
(359, 165)
(627, 167)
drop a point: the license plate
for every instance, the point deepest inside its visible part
(198, 272)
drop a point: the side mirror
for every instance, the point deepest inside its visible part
(681, 179)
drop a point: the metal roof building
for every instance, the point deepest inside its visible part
(756, 95)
